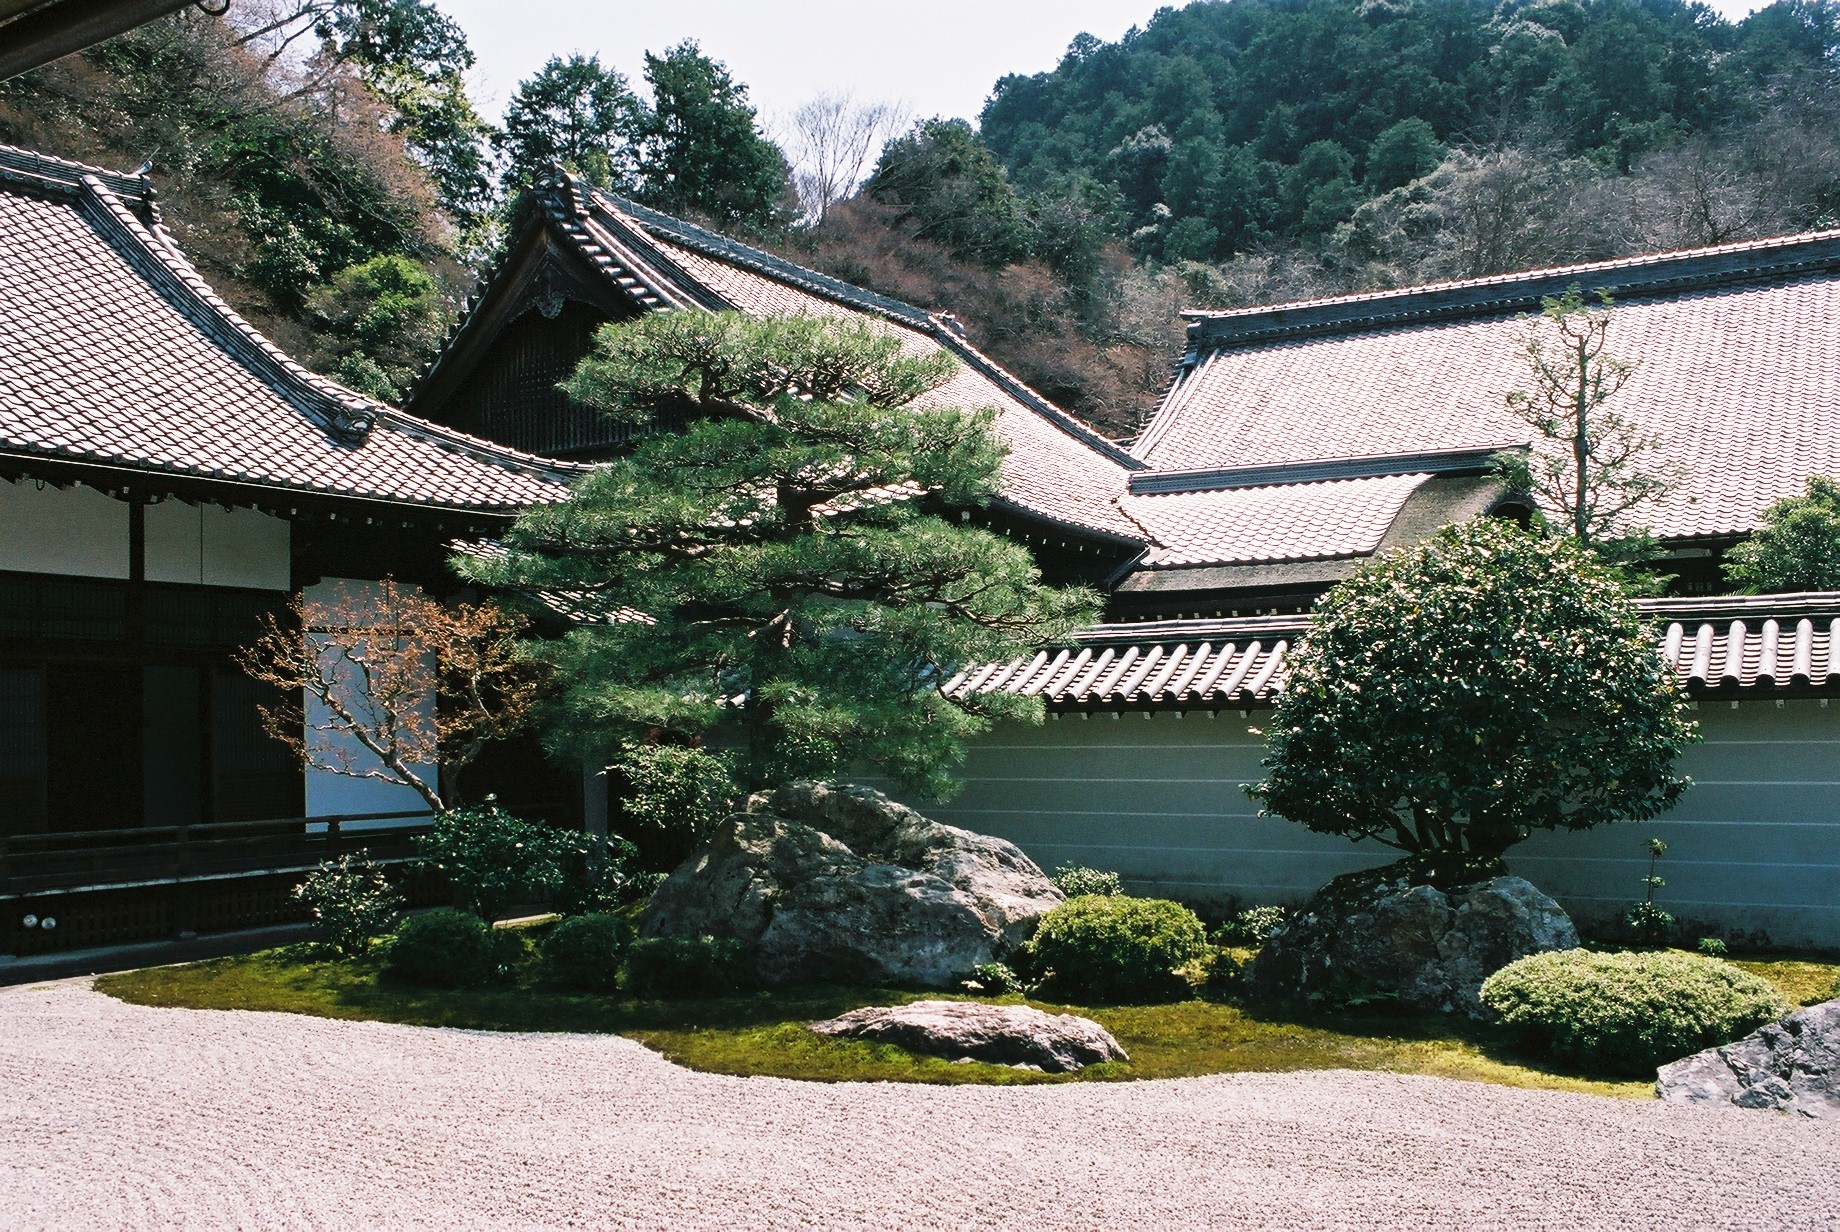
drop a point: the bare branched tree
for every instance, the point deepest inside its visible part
(1591, 462)
(833, 143)
(408, 690)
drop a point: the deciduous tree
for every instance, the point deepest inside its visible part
(393, 685)
(1591, 463)
(834, 137)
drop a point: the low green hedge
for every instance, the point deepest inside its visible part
(686, 967)
(1626, 1014)
(448, 949)
(584, 952)
(1112, 947)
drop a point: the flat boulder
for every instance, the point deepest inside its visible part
(1001, 1034)
(1790, 1066)
(1430, 947)
(843, 883)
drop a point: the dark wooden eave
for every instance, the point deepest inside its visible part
(36, 32)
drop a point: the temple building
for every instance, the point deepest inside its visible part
(167, 477)
(1294, 442)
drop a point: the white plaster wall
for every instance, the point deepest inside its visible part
(330, 793)
(209, 545)
(72, 530)
(1753, 847)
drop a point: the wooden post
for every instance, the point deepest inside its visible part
(182, 888)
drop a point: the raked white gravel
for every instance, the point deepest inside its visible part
(119, 1116)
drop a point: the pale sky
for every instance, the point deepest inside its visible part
(940, 57)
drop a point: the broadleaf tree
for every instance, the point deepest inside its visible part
(1796, 548)
(405, 689)
(781, 557)
(1454, 697)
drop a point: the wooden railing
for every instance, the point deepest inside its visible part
(86, 860)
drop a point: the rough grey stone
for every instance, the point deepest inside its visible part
(1004, 1034)
(1788, 1066)
(828, 882)
(1432, 947)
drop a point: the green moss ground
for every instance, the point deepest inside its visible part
(764, 1032)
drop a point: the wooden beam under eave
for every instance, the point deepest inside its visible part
(53, 30)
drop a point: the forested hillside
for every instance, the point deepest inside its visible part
(1258, 121)
(322, 162)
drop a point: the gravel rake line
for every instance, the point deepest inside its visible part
(114, 1116)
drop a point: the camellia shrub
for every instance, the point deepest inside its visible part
(1111, 947)
(493, 859)
(686, 967)
(585, 952)
(1453, 697)
(352, 903)
(446, 949)
(1625, 1014)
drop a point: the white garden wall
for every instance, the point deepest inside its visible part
(1753, 847)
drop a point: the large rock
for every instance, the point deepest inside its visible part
(1788, 1066)
(1432, 947)
(843, 883)
(1003, 1034)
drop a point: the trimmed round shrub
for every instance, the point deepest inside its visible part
(686, 967)
(1626, 1014)
(585, 952)
(444, 949)
(1112, 947)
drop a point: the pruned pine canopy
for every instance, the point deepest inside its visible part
(1454, 697)
(789, 547)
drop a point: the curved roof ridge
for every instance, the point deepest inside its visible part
(1647, 273)
(67, 175)
(348, 416)
(722, 248)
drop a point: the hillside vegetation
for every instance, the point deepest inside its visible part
(321, 161)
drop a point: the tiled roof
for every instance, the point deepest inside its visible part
(1298, 521)
(1768, 645)
(1738, 379)
(1057, 469)
(118, 354)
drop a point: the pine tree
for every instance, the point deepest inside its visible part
(781, 562)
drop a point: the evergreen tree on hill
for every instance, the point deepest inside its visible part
(702, 152)
(577, 114)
